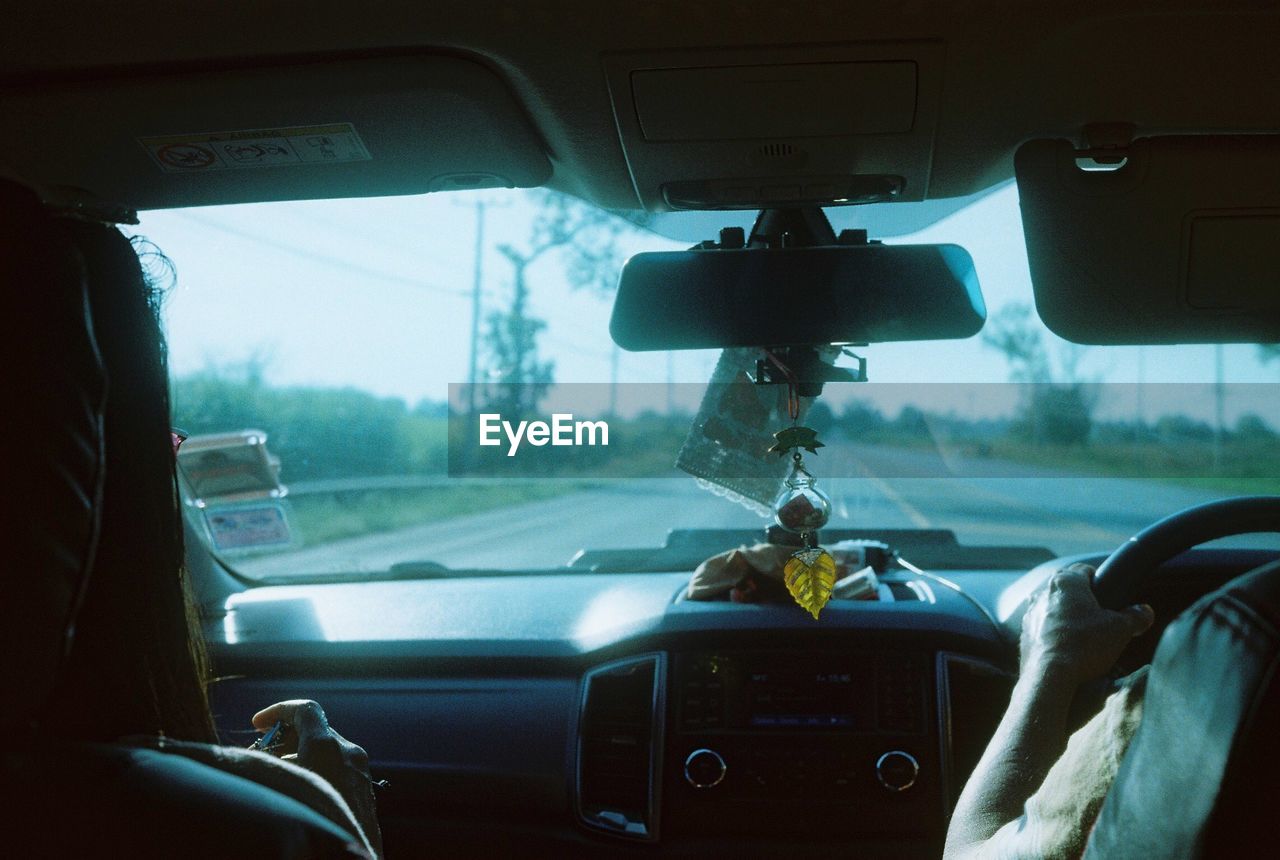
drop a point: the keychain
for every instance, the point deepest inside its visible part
(273, 738)
(801, 508)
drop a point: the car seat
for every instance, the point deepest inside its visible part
(66, 798)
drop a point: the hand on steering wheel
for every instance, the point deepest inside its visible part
(1066, 632)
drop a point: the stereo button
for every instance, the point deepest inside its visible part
(704, 768)
(897, 771)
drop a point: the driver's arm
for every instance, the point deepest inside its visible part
(1067, 639)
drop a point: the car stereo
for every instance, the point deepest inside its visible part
(799, 691)
(767, 741)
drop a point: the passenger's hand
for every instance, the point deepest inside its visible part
(312, 743)
(1067, 635)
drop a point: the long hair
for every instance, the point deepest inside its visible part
(138, 664)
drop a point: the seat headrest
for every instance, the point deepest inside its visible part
(54, 390)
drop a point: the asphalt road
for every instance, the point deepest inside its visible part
(1007, 504)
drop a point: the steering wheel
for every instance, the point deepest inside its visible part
(1116, 582)
(1118, 579)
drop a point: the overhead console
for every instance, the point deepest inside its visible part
(747, 129)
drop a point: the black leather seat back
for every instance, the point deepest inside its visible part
(52, 396)
(1201, 778)
(64, 797)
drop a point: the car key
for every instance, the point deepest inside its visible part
(273, 738)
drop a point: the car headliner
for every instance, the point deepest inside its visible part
(1013, 70)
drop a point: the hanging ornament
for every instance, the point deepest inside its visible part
(810, 575)
(796, 437)
(801, 508)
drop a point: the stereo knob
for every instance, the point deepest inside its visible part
(704, 768)
(897, 771)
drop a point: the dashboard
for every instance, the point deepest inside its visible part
(580, 714)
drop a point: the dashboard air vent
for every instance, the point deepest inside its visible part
(619, 746)
(974, 695)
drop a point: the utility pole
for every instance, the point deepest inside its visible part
(522, 342)
(1219, 395)
(477, 268)
(1140, 425)
(671, 383)
(613, 382)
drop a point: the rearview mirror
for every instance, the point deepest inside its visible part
(711, 299)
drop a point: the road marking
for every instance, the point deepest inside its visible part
(1082, 530)
(911, 512)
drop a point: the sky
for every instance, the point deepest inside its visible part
(376, 293)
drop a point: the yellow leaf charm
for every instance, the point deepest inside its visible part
(810, 575)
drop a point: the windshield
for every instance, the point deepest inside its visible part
(316, 349)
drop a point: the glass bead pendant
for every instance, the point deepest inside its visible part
(801, 508)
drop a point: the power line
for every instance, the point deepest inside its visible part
(381, 237)
(570, 346)
(335, 262)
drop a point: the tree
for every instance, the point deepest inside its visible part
(911, 423)
(316, 432)
(1057, 405)
(1058, 414)
(1012, 332)
(1252, 427)
(586, 240)
(862, 421)
(511, 341)
(820, 417)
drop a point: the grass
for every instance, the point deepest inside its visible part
(1233, 486)
(1247, 466)
(644, 447)
(1243, 468)
(323, 518)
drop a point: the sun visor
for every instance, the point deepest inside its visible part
(746, 129)
(354, 128)
(1169, 240)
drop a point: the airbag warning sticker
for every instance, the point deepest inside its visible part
(260, 147)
